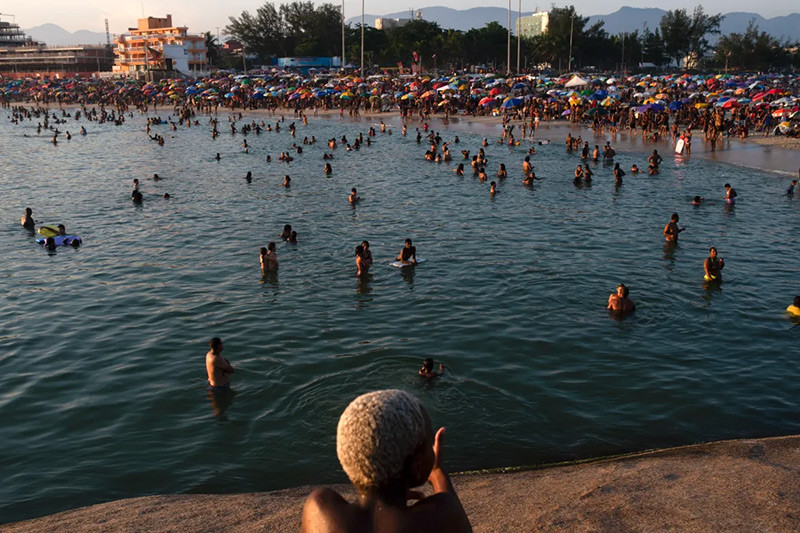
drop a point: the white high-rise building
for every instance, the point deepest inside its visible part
(533, 25)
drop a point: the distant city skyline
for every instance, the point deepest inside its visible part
(91, 14)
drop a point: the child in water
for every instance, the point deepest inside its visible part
(427, 369)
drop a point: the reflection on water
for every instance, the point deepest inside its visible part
(220, 402)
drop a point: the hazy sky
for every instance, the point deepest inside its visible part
(207, 16)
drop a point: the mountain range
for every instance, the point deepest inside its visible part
(626, 19)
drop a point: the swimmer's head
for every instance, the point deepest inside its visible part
(271, 247)
(365, 244)
(353, 190)
(287, 228)
(359, 250)
(727, 185)
(384, 439)
(696, 199)
(215, 343)
(28, 211)
(262, 250)
(408, 242)
(622, 290)
(712, 251)
(167, 196)
(427, 364)
(674, 217)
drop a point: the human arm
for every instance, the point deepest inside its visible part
(442, 485)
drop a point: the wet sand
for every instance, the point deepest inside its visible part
(740, 485)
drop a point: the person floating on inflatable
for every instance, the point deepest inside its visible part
(713, 266)
(794, 309)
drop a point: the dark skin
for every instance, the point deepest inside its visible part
(387, 511)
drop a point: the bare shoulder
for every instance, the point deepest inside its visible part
(325, 511)
(441, 513)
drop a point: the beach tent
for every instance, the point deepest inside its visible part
(576, 81)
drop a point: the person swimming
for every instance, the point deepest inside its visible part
(353, 198)
(327, 169)
(286, 233)
(493, 188)
(249, 177)
(794, 309)
(619, 302)
(287, 181)
(427, 369)
(671, 230)
(697, 200)
(362, 264)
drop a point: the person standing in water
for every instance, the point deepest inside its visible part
(218, 368)
(619, 302)
(671, 230)
(27, 221)
(713, 266)
(361, 261)
(269, 258)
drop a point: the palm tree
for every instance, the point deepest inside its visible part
(212, 47)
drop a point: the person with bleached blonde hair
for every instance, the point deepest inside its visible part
(386, 446)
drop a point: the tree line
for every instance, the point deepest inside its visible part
(682, 38)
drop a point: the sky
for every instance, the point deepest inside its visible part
(90, 15)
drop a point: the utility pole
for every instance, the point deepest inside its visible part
(362, 39)
(244, 60)
(343, 63)
(508, 56)
(519, 36)
(622, 64)
(571, 25)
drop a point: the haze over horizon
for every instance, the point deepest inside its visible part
(91, 14)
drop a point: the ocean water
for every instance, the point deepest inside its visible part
(102, 378)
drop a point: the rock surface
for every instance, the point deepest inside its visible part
(740, 485)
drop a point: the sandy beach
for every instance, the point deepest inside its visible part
(739, 485)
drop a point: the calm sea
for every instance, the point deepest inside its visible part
(102, 378)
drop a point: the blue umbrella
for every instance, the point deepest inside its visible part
(512, 102)
(674, 106)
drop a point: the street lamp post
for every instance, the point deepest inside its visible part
(571, 25)
(508, 55)
(343, 63)
(519, 36)
(362, 39)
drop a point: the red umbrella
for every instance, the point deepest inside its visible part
(730, 103)
(495, 91)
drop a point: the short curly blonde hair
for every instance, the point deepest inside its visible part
(376, 434)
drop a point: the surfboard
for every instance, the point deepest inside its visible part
(398, 264)
(679, 146)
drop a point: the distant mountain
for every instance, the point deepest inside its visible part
(632, 18)
(55, 35)
(451, 19)
(626, 19)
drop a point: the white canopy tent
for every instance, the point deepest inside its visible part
(576, 81)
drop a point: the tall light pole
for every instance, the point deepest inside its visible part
(508, 56)
(571, 25)
(362, 38)
(343, 36)
(519, 36)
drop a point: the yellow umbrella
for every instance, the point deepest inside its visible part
(463, 87)
(607, 102)
(661, 96)
(701, 105)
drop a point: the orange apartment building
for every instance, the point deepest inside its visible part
(155, 44)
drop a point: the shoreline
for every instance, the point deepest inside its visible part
(741, 485)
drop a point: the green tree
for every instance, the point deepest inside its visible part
(685, 36)
(653, 48)
(553, 45)
(751, 50)
(212, 49)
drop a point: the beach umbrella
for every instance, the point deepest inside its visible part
(784, 127)
(408, 96)
(728, 104)
(674, 106)
(596, 111)
(511, 102)
(488, 101)
(567, 112)
(781, 113)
